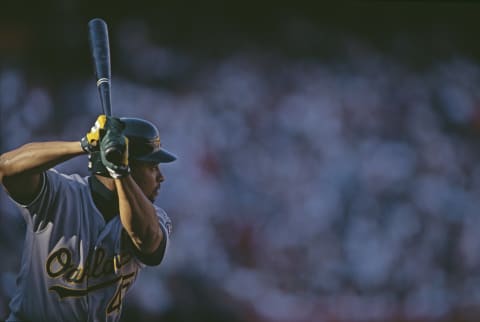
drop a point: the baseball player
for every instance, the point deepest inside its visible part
(87, 237)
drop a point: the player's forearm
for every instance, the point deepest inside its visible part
(37, 156)
(138, 216)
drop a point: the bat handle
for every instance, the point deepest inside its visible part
(103, 85)
(114, 154)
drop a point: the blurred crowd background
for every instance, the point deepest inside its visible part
(328, 163)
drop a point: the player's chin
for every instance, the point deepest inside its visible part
(152, 196)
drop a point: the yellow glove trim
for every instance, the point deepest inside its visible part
(125, 154)
(93, 137)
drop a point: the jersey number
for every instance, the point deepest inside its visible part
(116, 302)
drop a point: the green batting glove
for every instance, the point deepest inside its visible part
(114, 153)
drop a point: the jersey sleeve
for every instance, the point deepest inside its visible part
(43, 208)
(37, 212)
(157, 256)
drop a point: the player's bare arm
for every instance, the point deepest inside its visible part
(20, 169)
(138, 216)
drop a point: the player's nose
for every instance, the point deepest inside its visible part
(160, 177)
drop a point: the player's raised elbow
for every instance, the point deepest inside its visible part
(9, 162)
(148, 240)
(3, 166)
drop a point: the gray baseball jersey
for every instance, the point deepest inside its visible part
(75, 265)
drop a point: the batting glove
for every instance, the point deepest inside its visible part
(114, 153)
(90, 142)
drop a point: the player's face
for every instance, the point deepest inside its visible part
(148, 177)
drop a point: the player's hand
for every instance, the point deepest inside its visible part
(91, 141)
(114, 149)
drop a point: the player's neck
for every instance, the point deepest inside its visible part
(105, 199)
(107, 182)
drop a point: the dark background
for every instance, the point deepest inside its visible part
(327, 153)
(417, 32)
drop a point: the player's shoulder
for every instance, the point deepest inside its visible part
(158, 209)
(164, 218)
(55, 176)
(160, 212)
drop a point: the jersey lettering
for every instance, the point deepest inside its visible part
(59, 265)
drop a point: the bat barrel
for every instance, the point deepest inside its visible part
(100, 50)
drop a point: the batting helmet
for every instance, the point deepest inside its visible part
(143, 145)
(144, 141)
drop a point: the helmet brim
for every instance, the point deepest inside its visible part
(159, 156)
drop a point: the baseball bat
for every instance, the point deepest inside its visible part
(100, 50)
